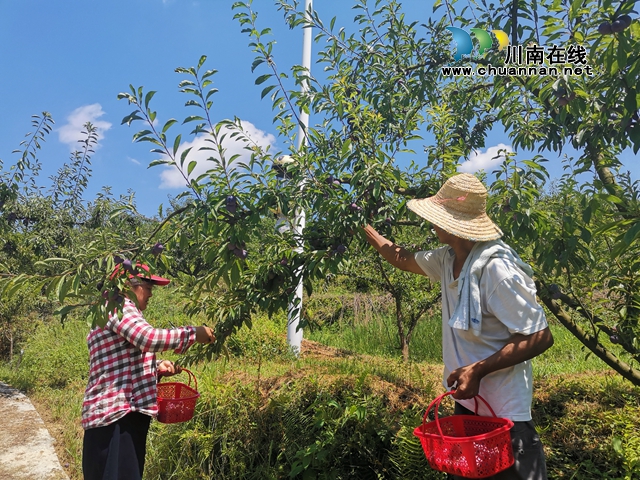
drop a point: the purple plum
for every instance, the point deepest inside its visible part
(605, 28)
(231, 204)
(240, 253)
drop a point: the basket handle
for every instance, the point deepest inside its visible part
(436, 403)
(191, 375)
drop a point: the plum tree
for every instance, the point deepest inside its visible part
(382, 91)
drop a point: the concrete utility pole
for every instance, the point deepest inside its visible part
(294, 334)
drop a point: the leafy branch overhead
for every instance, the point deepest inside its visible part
(386, 125)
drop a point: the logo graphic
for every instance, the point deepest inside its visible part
(524, 60)
(464, 45)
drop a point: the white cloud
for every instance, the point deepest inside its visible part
(172, 178)
(71, 132)
(485, 161)
(133, 160)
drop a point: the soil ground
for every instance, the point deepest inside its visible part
(27, 451)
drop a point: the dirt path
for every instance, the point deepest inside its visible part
(26, 448)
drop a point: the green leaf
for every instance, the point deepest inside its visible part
(183, 155)
(263, 78)
(193, 118)
(158, 162)
(147, 98)
(630, 102)
(63, 289)
(168, 125)
(176, 144)
(64, 311)
(192, 165)
(632, 234)
(266, 91)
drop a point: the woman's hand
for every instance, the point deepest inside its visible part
(205, 335)
(167, 368)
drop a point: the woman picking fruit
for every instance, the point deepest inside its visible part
(120, 398)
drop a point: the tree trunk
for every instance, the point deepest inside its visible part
(404, 339)
(405, 349)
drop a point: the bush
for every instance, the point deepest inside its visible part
(265, 339)
(341, 427)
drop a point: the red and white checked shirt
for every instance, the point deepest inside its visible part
(122, 366)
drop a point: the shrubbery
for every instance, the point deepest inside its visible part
(338, 428)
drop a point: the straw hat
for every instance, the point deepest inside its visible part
(459, 208)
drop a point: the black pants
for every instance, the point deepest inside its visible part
(529, 458)
(117, 451)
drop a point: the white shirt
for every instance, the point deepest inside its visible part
(509, 305)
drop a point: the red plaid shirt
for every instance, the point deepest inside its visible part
(122, 366)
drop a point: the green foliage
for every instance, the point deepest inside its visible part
(305, 429)
(18, 320)
(265, 340)
(72, 178)
(55, 355)
(589, 427)
(382, 89)
(626, 443)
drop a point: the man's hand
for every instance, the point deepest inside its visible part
(205, 335)
(518, 349)
(466, 380)
(167, 368)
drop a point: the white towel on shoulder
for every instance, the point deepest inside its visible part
(469, 309)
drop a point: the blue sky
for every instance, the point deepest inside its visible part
(71, 58)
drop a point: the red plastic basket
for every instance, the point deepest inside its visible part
(177, 401)
(470, 446)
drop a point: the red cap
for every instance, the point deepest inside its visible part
(156, 280)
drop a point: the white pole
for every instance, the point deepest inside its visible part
(294, 334)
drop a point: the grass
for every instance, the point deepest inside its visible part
(266, 414)
(379, 337)
(567, 356)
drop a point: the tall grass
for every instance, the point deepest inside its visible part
(567, 356)
(379, 336)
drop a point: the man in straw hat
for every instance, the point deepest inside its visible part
(492, 324)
